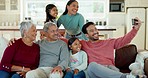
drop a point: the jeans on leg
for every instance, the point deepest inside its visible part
(99, 71)
(4, 74)
(80, 74)
(71, 74)
(16, 76)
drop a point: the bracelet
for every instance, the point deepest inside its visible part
(23, 68)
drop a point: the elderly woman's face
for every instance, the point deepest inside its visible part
(32, 32)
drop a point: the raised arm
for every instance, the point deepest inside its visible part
(119, 42)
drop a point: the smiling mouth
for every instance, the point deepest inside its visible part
(74, 10)
(95, 34)
(55, 14)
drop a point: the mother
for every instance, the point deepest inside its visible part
(72, 21)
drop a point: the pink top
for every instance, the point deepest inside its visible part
(20, 54)
(102, 52)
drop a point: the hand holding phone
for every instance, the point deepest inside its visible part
(134, 22)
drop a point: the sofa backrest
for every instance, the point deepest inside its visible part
(125, 56)
(3, 45)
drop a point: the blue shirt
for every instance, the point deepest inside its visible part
(72, 23)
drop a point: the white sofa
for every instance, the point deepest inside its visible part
(3, 45)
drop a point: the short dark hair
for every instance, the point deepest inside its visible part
(85, 27)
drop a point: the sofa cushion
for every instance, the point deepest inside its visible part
(3, 45)
(146, 67)
(124, 57)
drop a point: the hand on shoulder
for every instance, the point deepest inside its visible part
(11, 41)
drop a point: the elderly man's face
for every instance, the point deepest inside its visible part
(52, 33)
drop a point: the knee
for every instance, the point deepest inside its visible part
(16, 76)
(56, 75)
(29, 74)
(91, 65)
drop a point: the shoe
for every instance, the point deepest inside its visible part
(142, 76)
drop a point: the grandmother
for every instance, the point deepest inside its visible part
(23, 55)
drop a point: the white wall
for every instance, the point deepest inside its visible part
(116, 19)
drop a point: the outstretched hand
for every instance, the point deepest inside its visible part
(138, 23)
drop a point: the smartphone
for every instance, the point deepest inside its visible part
(134, 22)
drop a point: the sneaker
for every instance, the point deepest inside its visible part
(131, 76)
(141, 76)
(137, 76)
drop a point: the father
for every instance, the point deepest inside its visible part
(101, 52)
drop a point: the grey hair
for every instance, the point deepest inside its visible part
(47, 25)
(25, 26)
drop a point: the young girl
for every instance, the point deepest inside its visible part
(78, 60)
(51, 15)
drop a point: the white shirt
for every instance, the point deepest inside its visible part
(78, 60)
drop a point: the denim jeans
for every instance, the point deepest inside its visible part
(71, 74)
(4, 74)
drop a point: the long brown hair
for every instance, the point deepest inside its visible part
(68, 3)
(48, 16)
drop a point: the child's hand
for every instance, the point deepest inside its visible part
(76, 71)
(68, 69)
(21, 73)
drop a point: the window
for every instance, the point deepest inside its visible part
(94, 10)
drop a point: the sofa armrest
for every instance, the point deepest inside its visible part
(125, 56)
(146, 66)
